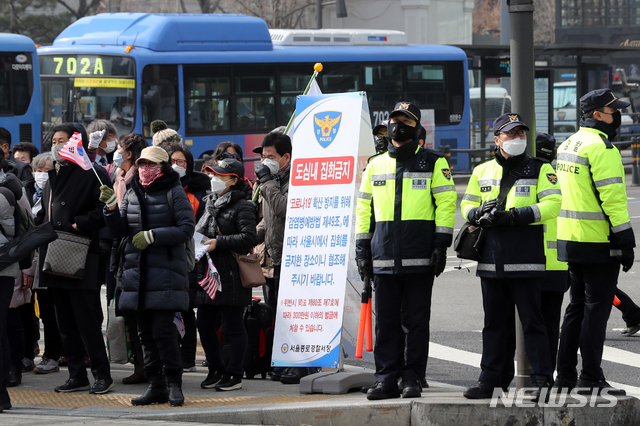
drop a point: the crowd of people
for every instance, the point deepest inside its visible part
(139, 217)
(138, 208)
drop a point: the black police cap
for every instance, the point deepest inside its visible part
(600, 98)
(408, 109)
(545, 146)
(506, 122)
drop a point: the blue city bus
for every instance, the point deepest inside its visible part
(216, 78)
(20, 103)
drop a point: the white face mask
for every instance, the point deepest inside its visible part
(217, 185)
(514, 147)
(181, 171)
(111, 146)
(41, 179)
(273, 165)
(117, 159)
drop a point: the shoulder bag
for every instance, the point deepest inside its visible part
(470, 239)
(67, 255)
(250, 268)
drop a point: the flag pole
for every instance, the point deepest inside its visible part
(96, 173)
(316, 69)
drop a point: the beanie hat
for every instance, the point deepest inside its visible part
(161, 133)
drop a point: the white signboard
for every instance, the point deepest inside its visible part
(318, 239)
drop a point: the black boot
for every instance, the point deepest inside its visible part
(157, 391)
(174, 381)
(543, 387)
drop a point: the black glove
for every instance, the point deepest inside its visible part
(485, 207)
(263, 173)
(438, 260)
(626, 259)
(365, 267)
(503, 217)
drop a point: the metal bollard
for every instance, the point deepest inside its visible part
(635, 154)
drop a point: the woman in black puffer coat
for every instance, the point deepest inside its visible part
(229, 221)
(158, 219)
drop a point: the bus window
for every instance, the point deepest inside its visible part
(253, 111)
(207, 94)
(160, 96)
(16, 84)
(438, 87)
(293, 79)
(383, 78)
(338, 78)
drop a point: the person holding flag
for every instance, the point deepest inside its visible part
(70, 200)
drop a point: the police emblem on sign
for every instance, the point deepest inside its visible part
(447, 173)
(325, 126)
(552, 178)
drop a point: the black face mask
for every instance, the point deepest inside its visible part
(617, 120)
(400, 132)
(381, 144)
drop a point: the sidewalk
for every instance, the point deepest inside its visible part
(268, 402)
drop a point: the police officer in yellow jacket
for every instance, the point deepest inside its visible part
(404, 224)
(554, 284)
(513, 262)
(594, 237)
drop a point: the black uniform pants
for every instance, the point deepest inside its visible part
(159, 338)
(551, 308)
(498, 299)
(630, 311)
(79, 317)
(585, 320)
(402, 301)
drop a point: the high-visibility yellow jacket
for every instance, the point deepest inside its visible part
(406, 206)
(514, 251)
(593, 224)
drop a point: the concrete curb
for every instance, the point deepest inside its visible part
(440, 406)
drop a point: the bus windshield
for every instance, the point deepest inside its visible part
(82, 88)
(16, 83)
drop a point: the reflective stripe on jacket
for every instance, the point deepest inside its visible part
(514, 251)
(594, 222)
(406, 207)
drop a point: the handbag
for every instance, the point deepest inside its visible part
(67, 255)
(470, 239)
(250, 269)
(118, 340)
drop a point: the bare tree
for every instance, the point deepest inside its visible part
(83, 7)
(544, 22)
(486, 17)
(208, 6)
(276, 13)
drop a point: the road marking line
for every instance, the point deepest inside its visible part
(472, 359)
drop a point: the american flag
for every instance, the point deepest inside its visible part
(211, 281)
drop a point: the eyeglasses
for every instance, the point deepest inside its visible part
(230, 155)
(180, 163)
(512, 133)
